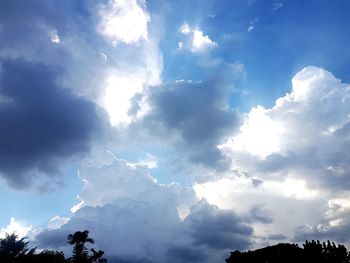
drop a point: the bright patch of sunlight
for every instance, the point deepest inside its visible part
(223, 191)
(218, 192)
(54, 36)
(18, 227)
(124, 21)
(259, 135)
(292, 188)
(118, 95)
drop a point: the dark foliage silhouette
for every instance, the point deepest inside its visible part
(78, 240)
(16, 250)
(80, 251)
(312, 251)
(13, 249)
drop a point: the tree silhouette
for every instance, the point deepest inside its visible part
(96, 256)
(312, 251)
(13, 249)
(78, 240)
(48, 256)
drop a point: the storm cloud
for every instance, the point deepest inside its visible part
(41, 122)
(199, 113)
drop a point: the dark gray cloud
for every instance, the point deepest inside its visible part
(131, 231)
(259, 214)
(41, 123)
(53, 238)
(219, 229)
(185, 254)
(199, 113)
(60, 33)
(338, 230)
(128, 259)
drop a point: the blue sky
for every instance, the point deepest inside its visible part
(131, 117)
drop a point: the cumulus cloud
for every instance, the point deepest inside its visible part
(267, 207)
(303, 136)
(42, 123)
(122, 204)
(196, 42)
(20, 228)
(297, 152)
(334, 224)
(201, 42)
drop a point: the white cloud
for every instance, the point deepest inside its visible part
(279, 198)
(114, 179)
(185, 29)
(56, 222)
(132, 70)
(20, 228)
(120, 89)
(54, 36)
(251, 28)
(252, 25)
(201, 43)
(259, 135)
(124, 21)
(298, 152)
(276, 6)
(150, 162)
(303, 135)
(196, 41)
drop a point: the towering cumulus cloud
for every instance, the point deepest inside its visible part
(304, 135)
(132, 217)
(297, 151)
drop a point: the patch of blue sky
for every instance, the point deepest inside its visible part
(39, 208)
(281, 41)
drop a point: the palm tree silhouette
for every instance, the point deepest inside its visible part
(78, 240)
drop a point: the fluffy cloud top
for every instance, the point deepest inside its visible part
(21, 229)
(201, 42)
(198, 42)
(131, 216)
(298, 152)
(304, 135)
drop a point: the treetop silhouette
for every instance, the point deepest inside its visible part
(312, 251)
(16, 250)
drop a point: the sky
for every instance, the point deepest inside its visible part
(175, 130)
